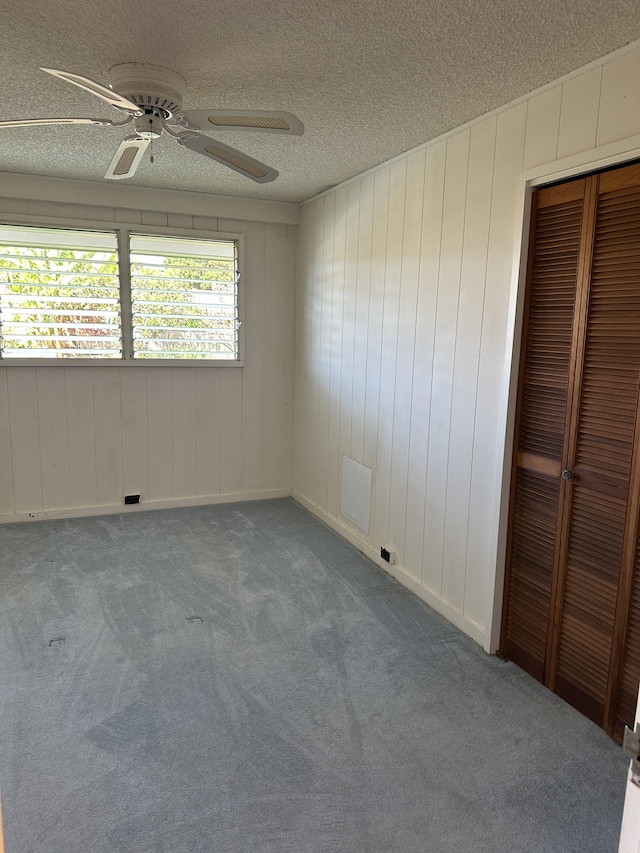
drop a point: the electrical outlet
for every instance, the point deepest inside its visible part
(388, 556)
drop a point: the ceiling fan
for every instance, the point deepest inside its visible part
(151, 98)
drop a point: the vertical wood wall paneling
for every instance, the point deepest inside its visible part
(72, 211)
(186, 444)
(230, 226)
(81, 436)
(54, 447)
(422, 376)
(277, 402)
(316, 387)
(304, 273)
(135, 459)
(128, 215)
(317, 358)
(231, 429)
(619, 115)
(25, 438)
(253, 374)
(483, 590)
(207, 431)
(334, 464)
(455, 190)
(410, 267)
(457, 549)
(543, 124)
(379, 230)
(159, 433)
(389, 350)
(180, 220)
(42, 208)
(465, 354)
(579, 113)
(363, 300)
(205, 223)
(7, 505)
(348, 331)
(99, 213)
(290, 337)
(108, 420)
(184, 432)
(16, 206)
(153, 218)
(301, 437)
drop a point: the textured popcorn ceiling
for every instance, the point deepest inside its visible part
(369, 79)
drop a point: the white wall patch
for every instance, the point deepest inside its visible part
(356, 493)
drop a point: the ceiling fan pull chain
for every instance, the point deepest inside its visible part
(152, 159)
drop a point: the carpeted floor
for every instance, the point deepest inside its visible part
(237, 679)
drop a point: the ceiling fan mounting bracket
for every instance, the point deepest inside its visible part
(148, 86)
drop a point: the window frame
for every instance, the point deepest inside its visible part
(122, 230)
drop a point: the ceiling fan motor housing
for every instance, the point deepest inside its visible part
(149, 126)
(151, 87)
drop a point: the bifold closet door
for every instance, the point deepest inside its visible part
(616, 275)
(546, 377)
(602, 494)
(572, 604)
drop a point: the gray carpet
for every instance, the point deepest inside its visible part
(237, 678)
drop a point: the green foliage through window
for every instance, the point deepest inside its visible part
(184, 298)
(60, 296)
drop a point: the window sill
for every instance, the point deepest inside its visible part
(118, 362)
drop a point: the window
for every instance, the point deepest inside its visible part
(59, 294)
(71, 294)
(184, 298)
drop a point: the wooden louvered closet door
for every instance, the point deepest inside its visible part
(572, 597)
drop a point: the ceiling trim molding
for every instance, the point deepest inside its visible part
(63, 190)
(552, 84)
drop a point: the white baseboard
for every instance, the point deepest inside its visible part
(456, 617)
(112, 509)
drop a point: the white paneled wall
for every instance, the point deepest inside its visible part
(80, 438)
(406, 314)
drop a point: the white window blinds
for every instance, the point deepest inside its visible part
(59, 293)
(184, 298)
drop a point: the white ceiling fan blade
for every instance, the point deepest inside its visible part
(265, 121)
(28, 122)
(231, 157)
(94, 88)
(127, 157)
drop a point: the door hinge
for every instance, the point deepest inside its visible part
(631, 748)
